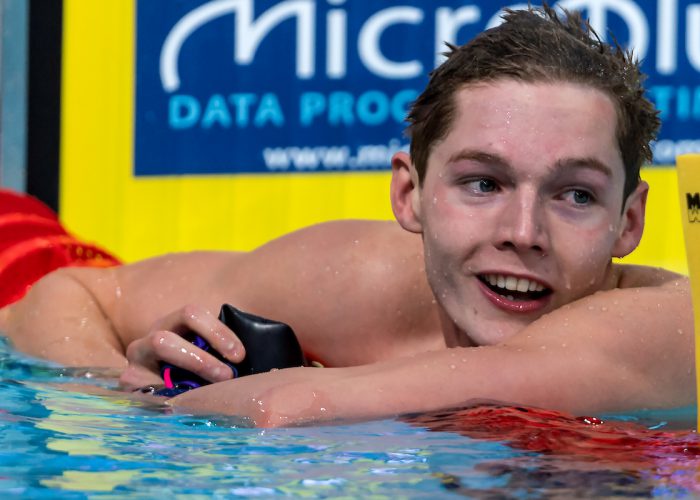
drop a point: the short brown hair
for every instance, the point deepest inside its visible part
(535, 45)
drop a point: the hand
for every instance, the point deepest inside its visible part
(164, 342)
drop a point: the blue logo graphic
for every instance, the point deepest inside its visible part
(246, 86)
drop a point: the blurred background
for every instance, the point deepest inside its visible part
(155, 126)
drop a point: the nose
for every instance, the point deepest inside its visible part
(523, 226)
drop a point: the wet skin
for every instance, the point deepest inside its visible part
(527, 185)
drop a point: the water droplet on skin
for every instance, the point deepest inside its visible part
(452, 367)
(434, 200)
(355, 242)
(590, 308)
(603, 308)
(680, 332)
(543, 347)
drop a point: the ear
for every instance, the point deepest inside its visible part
(405, 192)
(632, 225)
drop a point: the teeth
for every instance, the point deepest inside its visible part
(523, 285)
(513, 283)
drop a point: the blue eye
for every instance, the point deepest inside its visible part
(579, 197)
(486, 185)
(482, 185)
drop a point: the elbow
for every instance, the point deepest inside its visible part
(291, 405)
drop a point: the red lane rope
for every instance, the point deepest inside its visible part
(33, 243)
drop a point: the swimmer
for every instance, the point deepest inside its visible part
(497, 282)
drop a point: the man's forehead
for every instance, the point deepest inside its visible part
(563, 123)
(511, 90)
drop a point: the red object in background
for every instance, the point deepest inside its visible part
(33, 243)
(11, 202)
(19, 227)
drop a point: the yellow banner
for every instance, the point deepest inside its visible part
(689, 194)
(137, 217)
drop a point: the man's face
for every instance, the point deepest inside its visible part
(520, 209)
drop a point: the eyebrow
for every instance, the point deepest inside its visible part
(480, 157)
(587, 162)
(565, 163)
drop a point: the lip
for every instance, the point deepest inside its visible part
(516, 306)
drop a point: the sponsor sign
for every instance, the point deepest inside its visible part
(261, 86)
(693, 203)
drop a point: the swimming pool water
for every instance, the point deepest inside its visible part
(60, 442)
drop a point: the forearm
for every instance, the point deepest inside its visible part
(552, 374)
(431, 381)
(62, 320)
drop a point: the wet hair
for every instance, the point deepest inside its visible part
(535, 46)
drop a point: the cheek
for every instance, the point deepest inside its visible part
(587, 255)
(448, 220)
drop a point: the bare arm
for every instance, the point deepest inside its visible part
(87, 317)
(615, 350)
(102, 317)
(61, 319)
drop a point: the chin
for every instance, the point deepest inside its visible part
(484, 333)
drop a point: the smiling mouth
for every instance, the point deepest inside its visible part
(515, 289)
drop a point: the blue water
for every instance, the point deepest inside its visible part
(59, 441)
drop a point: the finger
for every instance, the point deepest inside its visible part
(136, 376)
(198, 320)
(171, 348)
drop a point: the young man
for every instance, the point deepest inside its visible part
(522, 184)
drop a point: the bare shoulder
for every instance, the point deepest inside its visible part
(348, 249)
(349, 288)
(635, 276)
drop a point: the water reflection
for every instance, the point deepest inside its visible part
(568, 456)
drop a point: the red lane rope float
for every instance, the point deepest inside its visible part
(17, 227)
(25, 262)
(33, 243)
(11, 202)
